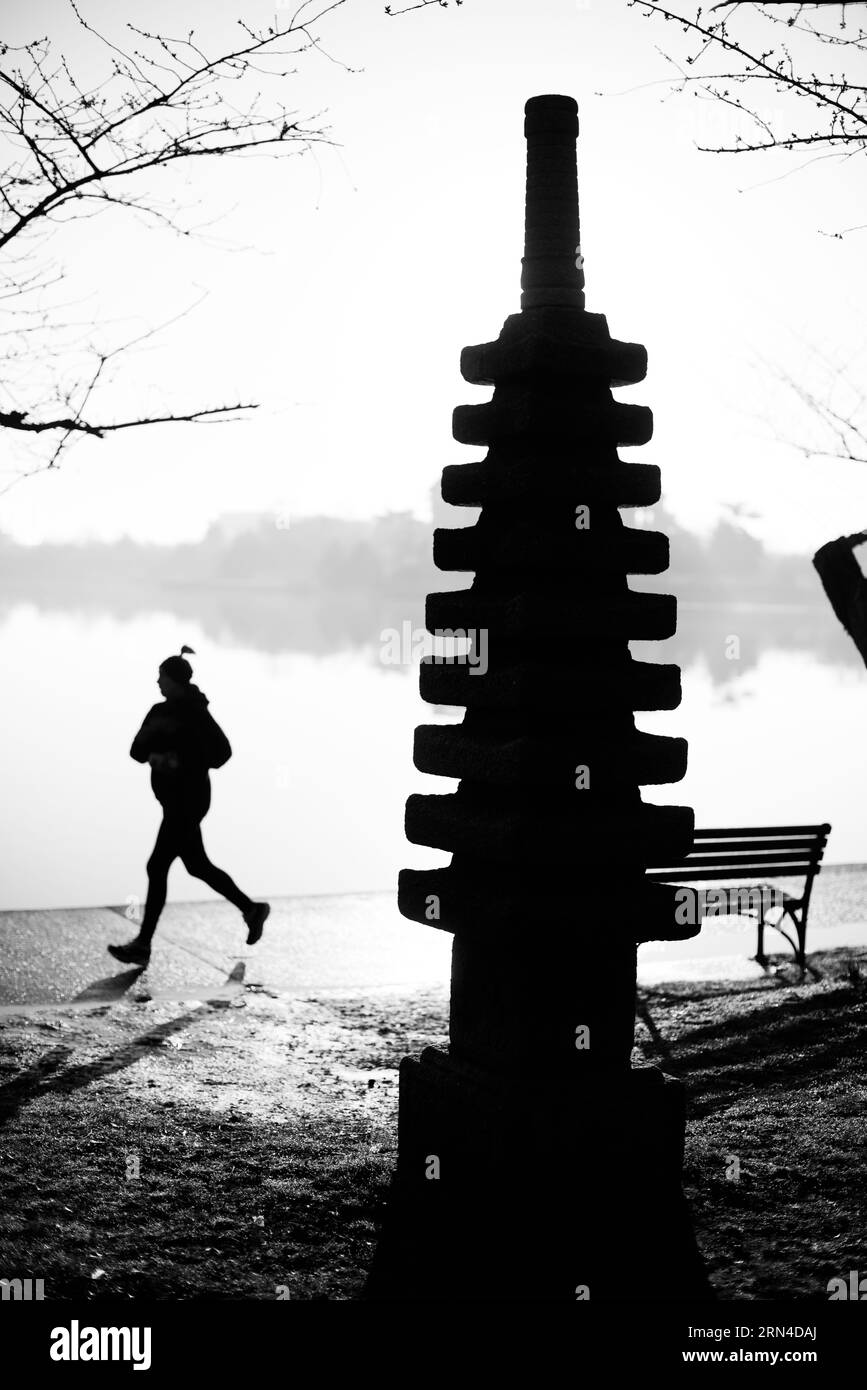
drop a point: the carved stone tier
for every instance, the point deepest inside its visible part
(555, 1161)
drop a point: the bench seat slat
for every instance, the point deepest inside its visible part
(758, 853)
(684, 875)
(739, 891)
(808, 845)
(755, 860)
(762, 831)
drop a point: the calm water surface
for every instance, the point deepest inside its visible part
(312, 801)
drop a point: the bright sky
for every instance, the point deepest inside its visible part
(355, 276)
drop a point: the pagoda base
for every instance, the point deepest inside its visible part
(529, 1189)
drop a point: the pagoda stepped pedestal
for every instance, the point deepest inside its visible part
(534, 1160)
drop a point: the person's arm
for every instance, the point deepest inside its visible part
(846, 586)
(161, 761)
(152, 743)
(204, 743)
(143, 743)
(218, 749)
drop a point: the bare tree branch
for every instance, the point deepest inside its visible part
(836, 409)
(830, 104)
(419, 5)
(70, 150)
(16, 420)
(780, 51)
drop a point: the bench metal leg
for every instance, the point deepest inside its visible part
(801, 929)
(799, 946)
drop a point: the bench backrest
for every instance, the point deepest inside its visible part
(768, 851)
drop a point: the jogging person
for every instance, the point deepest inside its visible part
(181, 741)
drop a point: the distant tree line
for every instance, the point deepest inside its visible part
(384, 556)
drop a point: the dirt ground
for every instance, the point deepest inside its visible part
(242, 1149)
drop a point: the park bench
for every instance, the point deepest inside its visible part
(752, 854)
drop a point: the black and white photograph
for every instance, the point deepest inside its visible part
(433, 653)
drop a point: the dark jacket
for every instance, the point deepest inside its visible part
(185, 727)
(846, 587)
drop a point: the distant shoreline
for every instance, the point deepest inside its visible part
(732, 599)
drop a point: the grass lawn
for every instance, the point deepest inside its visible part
(163, 1150)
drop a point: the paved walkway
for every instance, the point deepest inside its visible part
(351, 942)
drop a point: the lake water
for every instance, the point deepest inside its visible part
(312, 802)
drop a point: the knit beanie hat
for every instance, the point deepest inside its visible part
(177, 669)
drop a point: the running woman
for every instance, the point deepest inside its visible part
(181, 741)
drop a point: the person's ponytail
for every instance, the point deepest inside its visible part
(177, 668)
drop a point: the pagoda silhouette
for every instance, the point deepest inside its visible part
(534, 1161)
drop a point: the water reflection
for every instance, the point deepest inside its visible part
(726, 640)
(313, 802)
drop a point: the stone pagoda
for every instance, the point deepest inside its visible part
(534, 1160)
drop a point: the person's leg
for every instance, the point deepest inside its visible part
(164, 853)
(137, 951)
(197, 863)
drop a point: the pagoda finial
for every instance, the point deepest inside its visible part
(552, 274)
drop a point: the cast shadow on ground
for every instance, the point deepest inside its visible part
(780, 1042)
(110, 987)
(43, 1077)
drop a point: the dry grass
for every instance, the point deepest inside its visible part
(265, 1136)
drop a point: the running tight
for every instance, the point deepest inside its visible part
(180, 837)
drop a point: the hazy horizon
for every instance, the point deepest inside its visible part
(338, 288)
